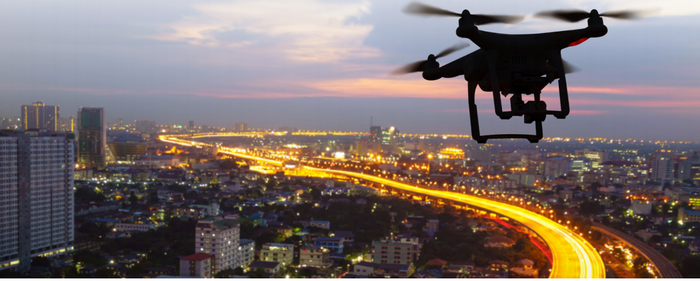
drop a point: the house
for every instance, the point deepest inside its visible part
(320, 224)
(498, 241)
(285, 230)
(526, 269)
(314, 256)
(461, 267)
(436, 263)
(334, 244)
(369, 269)
(361, 201)
(269, 267)
(498, 265)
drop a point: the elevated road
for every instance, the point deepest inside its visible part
(662, 266)
(572, 256)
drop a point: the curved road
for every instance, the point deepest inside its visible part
(663, 266)
(572, 256)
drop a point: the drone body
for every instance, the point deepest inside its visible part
(511, 64)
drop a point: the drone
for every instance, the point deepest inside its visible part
(512, 64)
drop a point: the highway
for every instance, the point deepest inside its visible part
(663, 266)
(572, 256)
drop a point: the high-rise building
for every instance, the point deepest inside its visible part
(190, 125)
(385, 136)
(375, 133)
(246, 252)
(145, 126)
(241, 127)
(661, 166)
(92, 137)
(219, 238)
(36, 195)
(67, 124)
(40, 116)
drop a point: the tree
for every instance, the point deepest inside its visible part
(105, 272)
(226, 273)
(153, 198)
(228, 164)
(258, 273)
(133, 199)
(689, 266)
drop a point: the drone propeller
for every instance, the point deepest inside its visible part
(578, 15)
(420, 65)
(426, 10)
(569, 68)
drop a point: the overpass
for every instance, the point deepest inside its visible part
(572, 256)
(662, 266)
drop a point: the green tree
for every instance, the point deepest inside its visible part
(153, 198)
(258, 273)
(133, 199)
(226, 273)
(689, 266)
(105, 273)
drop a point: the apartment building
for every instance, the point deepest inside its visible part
(221, 239)
(282, 253)
(36, 196)
(393, 252)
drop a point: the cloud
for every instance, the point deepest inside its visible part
(305, 30)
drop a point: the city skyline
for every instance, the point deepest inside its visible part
(323, 66)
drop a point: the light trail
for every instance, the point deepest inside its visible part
(572, 256)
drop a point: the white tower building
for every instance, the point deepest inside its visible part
(36, 195)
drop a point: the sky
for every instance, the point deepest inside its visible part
(324, 65)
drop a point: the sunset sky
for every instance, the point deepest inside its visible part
(323, 65)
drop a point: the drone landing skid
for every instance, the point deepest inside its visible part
(474, 118)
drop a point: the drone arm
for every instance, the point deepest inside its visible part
(492, 58)
(556, 61)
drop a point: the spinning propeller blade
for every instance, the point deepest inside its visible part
(420, 65)
(426, 10)
(569, 68)
(579, 15)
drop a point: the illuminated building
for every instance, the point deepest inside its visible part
(67, 124)
(36, 195)
(393, 252)
(92, 146)
(198, 265)
(241, 127)
(219, 238)
(314, 256)
(451, 153)
(40, 116)
(145, 126)
(190, 125)
(686, 216)
(246, 252)
(596, 157)
(375, 132)
(688, 167)
(556, 166)
(282, 253)
(127, 148)
(661, 166)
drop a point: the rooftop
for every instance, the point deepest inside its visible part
(197, 257)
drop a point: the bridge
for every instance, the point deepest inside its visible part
(661, 265)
